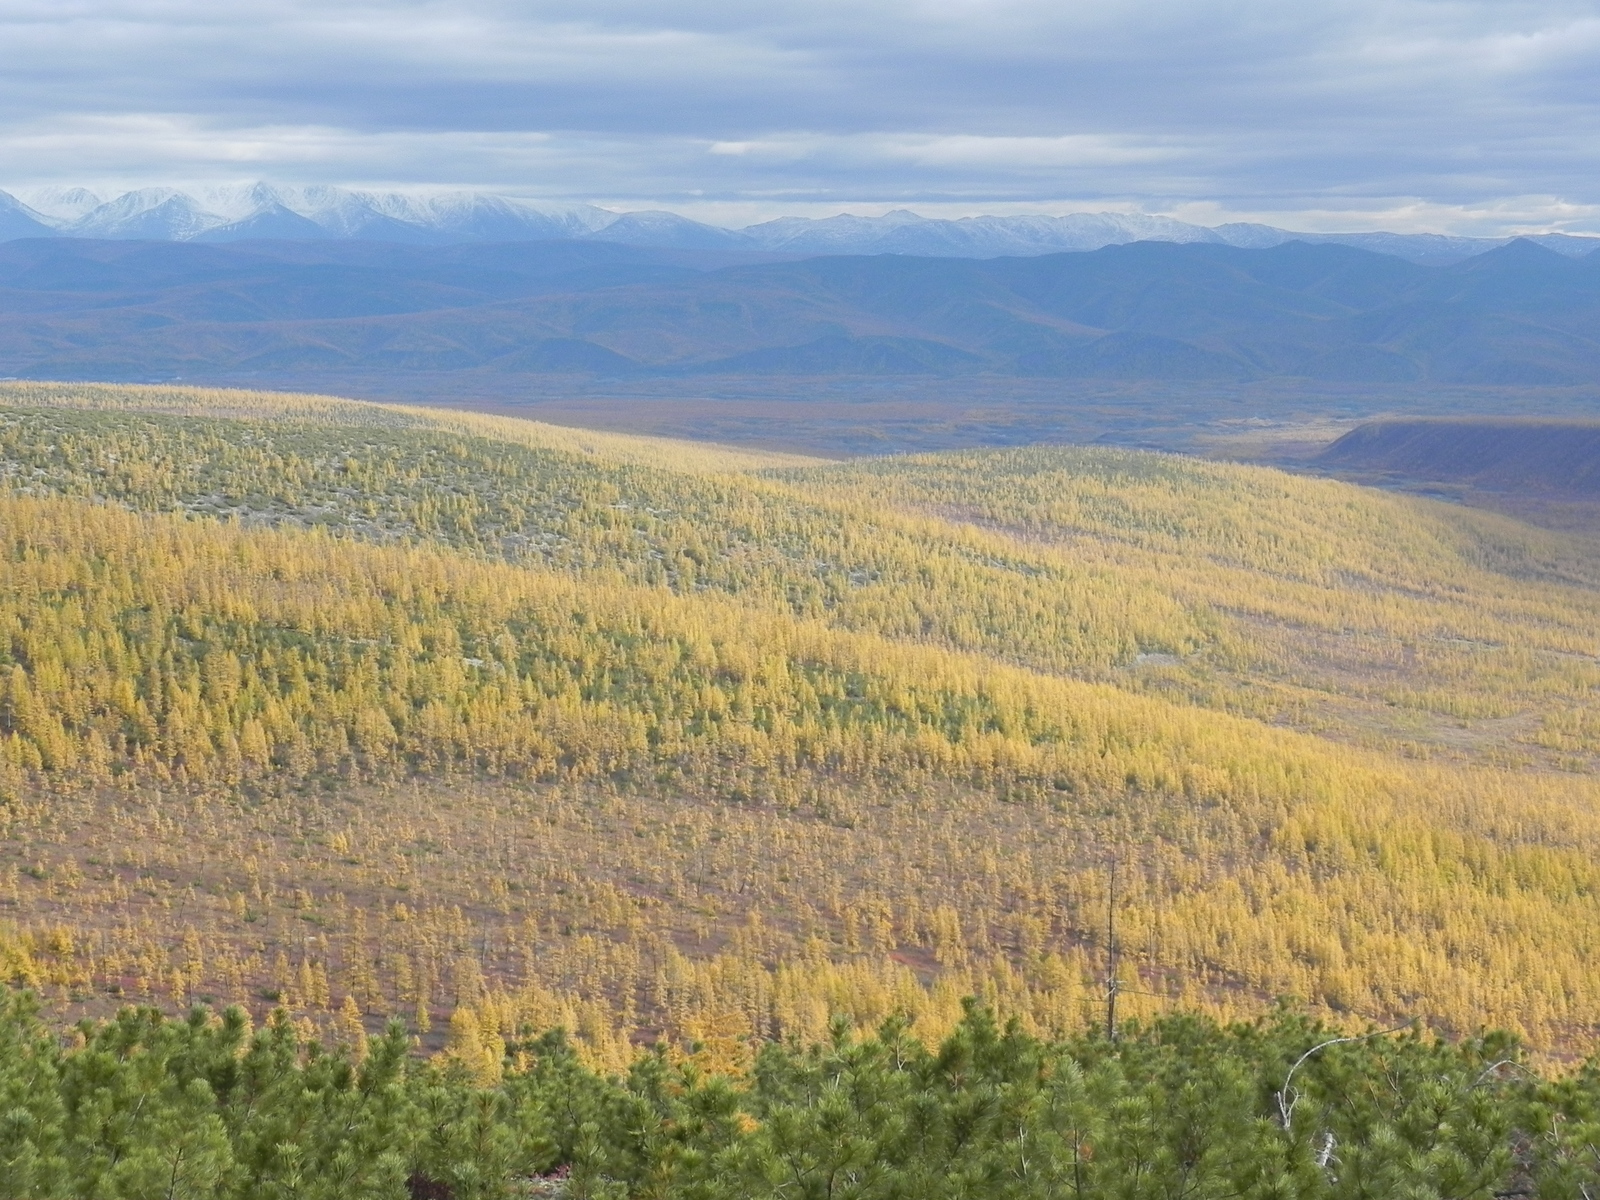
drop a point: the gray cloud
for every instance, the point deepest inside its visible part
(1469, 116)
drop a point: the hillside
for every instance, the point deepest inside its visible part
(1520, 315)
(1552, 457)
(306, 699)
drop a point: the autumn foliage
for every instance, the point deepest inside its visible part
(372, 713)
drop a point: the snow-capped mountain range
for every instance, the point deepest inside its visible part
(260, 210)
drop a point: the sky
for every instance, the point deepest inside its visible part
(1463, 117)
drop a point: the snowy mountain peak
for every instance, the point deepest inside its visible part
(233, 212)
(671, 231)
(153, 213)
(62, 206)
(237, 202)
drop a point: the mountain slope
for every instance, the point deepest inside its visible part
(1554, 457)
(18, 221)
(325, 699)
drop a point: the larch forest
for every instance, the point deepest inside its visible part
(401, 802)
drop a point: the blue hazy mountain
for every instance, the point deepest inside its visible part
(17, 220)
(121, 309)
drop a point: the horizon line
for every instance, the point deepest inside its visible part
(28, 196)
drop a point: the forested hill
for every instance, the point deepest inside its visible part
(1521, 314)
(373, 712)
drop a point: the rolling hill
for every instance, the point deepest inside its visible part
(305, 699)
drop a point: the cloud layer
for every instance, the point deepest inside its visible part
(1462, 116)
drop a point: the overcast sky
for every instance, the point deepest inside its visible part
(1405, 114)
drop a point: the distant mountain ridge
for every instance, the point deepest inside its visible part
(76, 308)
(263, 211)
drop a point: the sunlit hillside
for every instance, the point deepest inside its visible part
(1417, 626)
(335, 410)
(306, 700)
